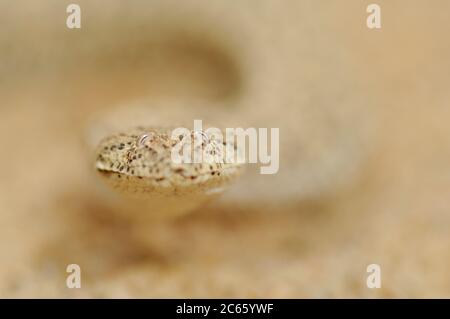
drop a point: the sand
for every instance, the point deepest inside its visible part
(365, 147)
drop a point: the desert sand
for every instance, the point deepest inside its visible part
(365, 147)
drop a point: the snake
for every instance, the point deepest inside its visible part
(258, 79)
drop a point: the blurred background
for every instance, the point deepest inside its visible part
(364, 146)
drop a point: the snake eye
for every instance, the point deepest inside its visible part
(200, 134)
(144, 138)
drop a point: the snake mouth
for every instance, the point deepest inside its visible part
(108, 173)
(115, 174)
(104, 172)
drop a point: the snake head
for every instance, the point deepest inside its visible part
(138, 164)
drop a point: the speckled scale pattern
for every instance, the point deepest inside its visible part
(139, 161)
